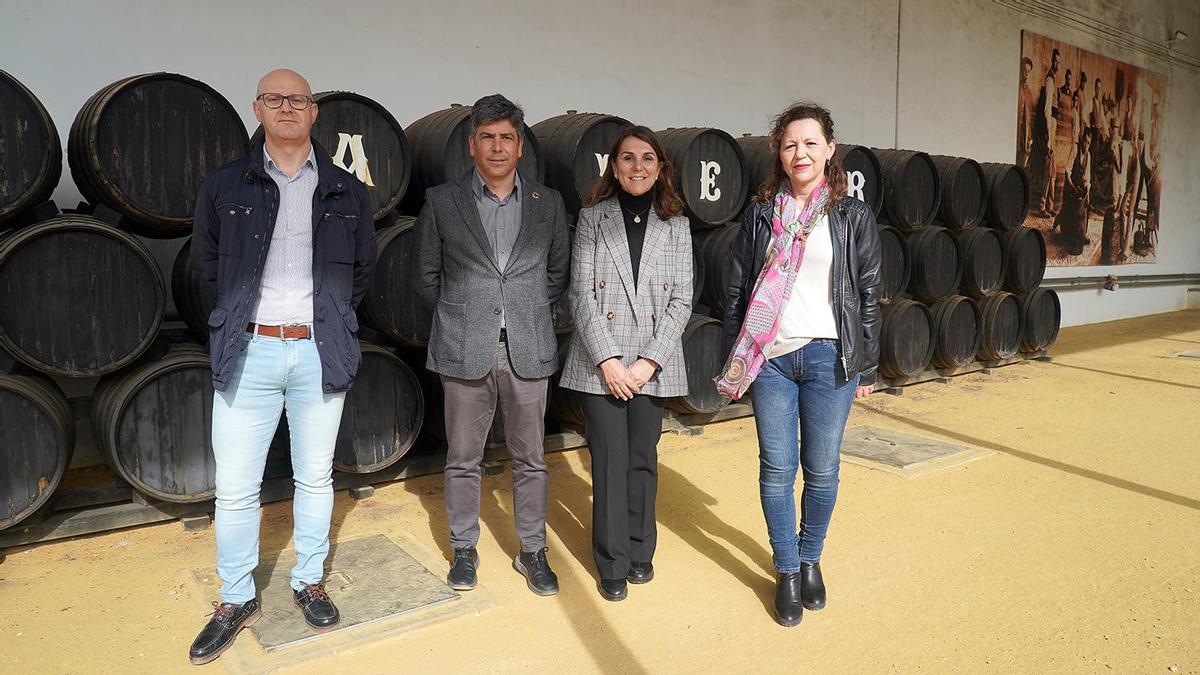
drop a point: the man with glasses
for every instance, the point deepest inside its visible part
(492, 258)
(286, 240)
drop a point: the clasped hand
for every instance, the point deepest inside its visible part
(624, 382)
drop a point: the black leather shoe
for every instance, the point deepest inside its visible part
(640, 573)
(812, 586)
(319, 611)
(462, 570)
(221, 630)
(788, 607)
(613, 590)
(536, 569)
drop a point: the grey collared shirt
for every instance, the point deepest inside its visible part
(286, 293)
(501, 219)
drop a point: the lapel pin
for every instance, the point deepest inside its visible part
(535, 195)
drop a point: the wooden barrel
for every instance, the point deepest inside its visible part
(756, 150)
(80, 298)
(433, 427)
(964, 191)
(936, 263)
(895, 264)
(575, 149)
(906, 339)
(1025, 259)
(1041, 316)
(1007, 195)
(440, 155)
(912, 188)
(956, 322)
(703, 360)
(982, 261)
(864, 175)
(363, 138)
(30, 150)
(382, 416)
(153, 424)
(710, 173)
(142, 145)
(698, 275)
(37, 436)
(566, 405)
(390, 305)
(715, 247)
(1001, 326)
(194, 299)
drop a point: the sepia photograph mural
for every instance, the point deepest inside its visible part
(1088, 135)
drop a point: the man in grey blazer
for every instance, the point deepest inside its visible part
(493, 257)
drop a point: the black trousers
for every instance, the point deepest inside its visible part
(623, 439)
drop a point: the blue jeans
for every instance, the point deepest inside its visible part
(800, 388)
(273, 374)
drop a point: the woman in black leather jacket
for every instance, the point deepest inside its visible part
(802, 337)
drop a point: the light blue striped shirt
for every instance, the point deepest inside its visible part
(286, 293)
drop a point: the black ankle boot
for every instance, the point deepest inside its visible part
(812, 586)
(536, 570)
(640, 573)
(613, 590)
(462, 575)
(788, 607)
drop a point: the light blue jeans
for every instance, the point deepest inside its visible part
(272, 375)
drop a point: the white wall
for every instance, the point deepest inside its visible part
(663, 63)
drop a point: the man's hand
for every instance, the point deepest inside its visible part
(863, 391)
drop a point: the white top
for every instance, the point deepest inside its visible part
(809, 310)
(286, 294)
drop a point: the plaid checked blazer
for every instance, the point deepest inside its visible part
(613, 317)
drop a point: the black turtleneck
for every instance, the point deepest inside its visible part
(635, 232)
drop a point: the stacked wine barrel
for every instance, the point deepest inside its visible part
(30, 151)
(37, 437)
(440, 154)
(84, 298)
(972, 290)
(362, 137)
(142, 145)
(710, 174)
(576, 148)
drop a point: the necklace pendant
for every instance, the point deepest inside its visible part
(637, 219)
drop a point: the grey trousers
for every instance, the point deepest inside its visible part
(470, 406)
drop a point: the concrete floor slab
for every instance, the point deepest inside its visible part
(904, 454)
(369, 579)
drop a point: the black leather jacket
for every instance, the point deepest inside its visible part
(855, 281)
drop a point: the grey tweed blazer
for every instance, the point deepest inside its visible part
(458, 278)
(613, 317)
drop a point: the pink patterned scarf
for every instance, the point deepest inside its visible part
(772, 290)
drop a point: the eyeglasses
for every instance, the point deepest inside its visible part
(296, 101)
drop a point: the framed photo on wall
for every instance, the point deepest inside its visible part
(1089, 129)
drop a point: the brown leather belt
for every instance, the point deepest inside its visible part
(293, 332)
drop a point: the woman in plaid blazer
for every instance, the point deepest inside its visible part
(631, 290)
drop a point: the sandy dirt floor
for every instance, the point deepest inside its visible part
(1073, 547)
